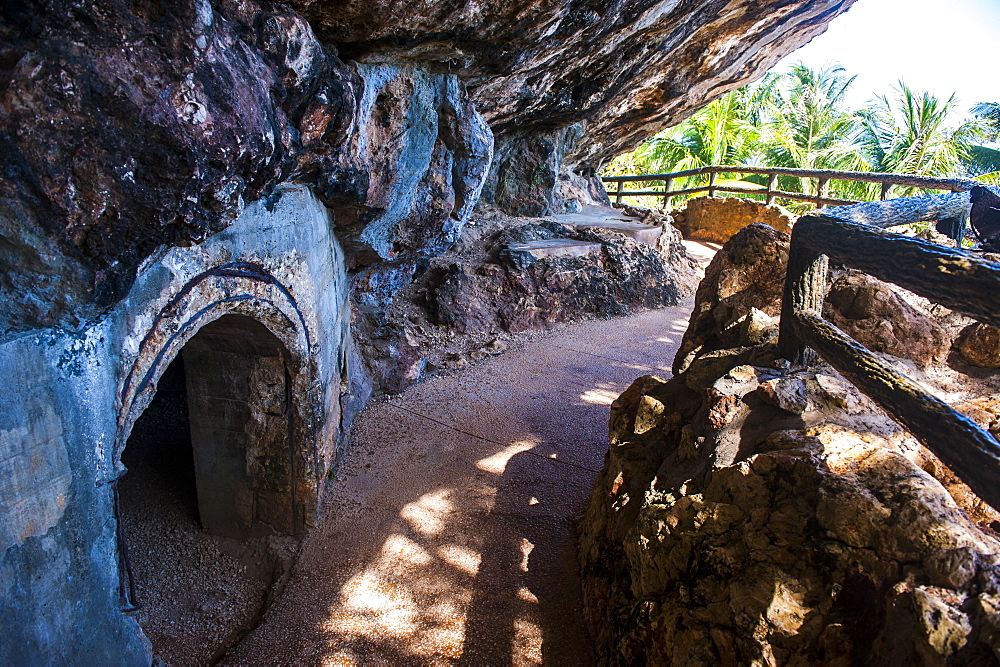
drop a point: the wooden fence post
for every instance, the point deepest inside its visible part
(618, 193)
(886, 187)
(772, 185)
(711, 184)
(822, 190)
(666, 193)
(805, 290)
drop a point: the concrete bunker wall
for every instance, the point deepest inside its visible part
(244, 433)
(70, 399)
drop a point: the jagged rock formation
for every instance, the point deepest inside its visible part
(282, 171)
(520, 292)
(461, 301)
(750, 512)
(126, 125)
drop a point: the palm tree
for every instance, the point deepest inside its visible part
(809, 127)
(799, 119)
(989, 113)
(720, 133)
(984, 161)
(910, 134)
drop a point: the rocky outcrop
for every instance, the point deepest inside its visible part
(872, 313)
(753, 512)
(716, 219)
(979, 345)
(522, 292)
(129, 127)
(496, 282)
(738, 302)
(730, 527)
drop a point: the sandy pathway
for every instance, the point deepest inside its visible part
(447, 535)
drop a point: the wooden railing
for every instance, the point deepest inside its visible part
(959, 280)
(822, 178)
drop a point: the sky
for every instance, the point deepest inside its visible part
(942, 46)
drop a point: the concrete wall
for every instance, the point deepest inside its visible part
(242, 429)
(69, 398)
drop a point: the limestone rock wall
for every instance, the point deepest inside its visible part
(571, 83)
(126, 126)
(769, 517)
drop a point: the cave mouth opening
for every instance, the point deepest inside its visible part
(207, 506)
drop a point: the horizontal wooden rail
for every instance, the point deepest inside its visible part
(894, 212)
(972, 453)
(957, 279)
(797, 196)
(770, 192)
(953, 184)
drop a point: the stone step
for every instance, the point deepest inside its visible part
(534, 250)
(608, 218)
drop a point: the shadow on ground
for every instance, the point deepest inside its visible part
(448, 535)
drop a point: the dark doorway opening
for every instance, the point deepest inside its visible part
(158, 455)
(207, 505)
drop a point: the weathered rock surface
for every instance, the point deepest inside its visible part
(872, 313)
(726, 529)
(548, 65)
(521, 292)
(738, 302)
(750, 512)
(718, 218)
(128, 127)
(508, 276)
(979, 345)
(125, 128)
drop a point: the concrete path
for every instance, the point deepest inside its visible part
(448, 535)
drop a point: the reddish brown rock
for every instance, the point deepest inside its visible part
(718, 218)
(807, 536)
(523, 291)
(127, 127)
(872, 313)
(739, 295)
(979, 345)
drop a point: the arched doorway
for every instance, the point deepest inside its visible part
(208, 504)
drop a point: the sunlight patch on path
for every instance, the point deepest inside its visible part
(447, 534)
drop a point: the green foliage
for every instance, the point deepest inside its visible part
(799, 119)
(989, 114)
(909, 134)
(809, 128)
